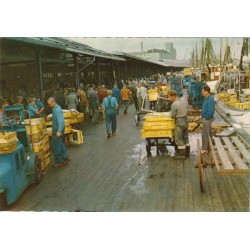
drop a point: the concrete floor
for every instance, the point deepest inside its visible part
(116, 175)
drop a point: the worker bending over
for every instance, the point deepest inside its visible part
(179, 113)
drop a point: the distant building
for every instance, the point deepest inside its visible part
(172, 51)
(169, 53)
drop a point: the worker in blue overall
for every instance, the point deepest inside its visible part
(61, 155)
(32, 108)
(116, 93)
(110, 106)
(40, 107)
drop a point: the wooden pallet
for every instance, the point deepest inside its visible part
(229, 156)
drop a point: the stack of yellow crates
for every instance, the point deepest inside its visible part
(152, 95)
(158, 124)
(39, 140)
(242, 106)
(8, 142)
(165, 90)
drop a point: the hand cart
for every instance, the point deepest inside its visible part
(141, 113)
(230, 156)
(160, 143)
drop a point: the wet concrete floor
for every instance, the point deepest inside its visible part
(116, 175)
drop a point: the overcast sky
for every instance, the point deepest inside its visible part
(183, 46)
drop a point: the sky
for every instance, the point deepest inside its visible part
(183, 46)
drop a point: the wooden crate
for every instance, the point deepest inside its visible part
(8, 149)
(76, 136)
(156, 133)
(158, 125)
(69, 115)
(37, 146)
(6, 136)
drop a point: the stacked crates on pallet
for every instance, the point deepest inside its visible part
(39, 140)
(8, 142)
(158, 125)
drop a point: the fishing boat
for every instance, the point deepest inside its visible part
(233, 89)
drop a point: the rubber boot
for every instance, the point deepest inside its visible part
(187, 151)
(181, 154)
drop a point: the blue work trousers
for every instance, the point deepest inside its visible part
(59, 150)
(110, 119)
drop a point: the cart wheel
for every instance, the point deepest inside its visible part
(38, 170)
(3, 201)
(200, 166)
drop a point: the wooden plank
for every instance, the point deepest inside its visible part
(242, 149)
(215, 160)
(188, 164)
(240, 164)
(214, 190)
(180, 188)
(233, 171)
(226, 164)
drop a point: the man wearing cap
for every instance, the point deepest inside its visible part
(21, 101)
(32, 108)
(61, 155)
(179, 113)
(110, 106)
(39, 105)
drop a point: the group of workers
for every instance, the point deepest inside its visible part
(109, 102)
(179, 113)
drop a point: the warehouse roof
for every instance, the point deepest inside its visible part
(66, 45)
(164, 63)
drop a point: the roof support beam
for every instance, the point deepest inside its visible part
(40, 74)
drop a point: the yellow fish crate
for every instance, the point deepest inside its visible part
(156, 133)
(8, 144)
(152, 95)
(37, 146)
(242, 106)
(69, 115)
(80, 117)
(75, 137)
(223, 96)
(4, 138)
(35, 122)
(151, 126)
(158, 116)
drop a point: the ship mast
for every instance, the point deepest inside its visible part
(196, 56)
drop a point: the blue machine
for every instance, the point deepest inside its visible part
(195, 96)
(175, 84)
(20, 168)
(186, 81)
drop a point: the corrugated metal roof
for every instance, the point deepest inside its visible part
(164, 63)
(66, 45)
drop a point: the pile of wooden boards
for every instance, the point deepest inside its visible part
(8, 142)
(39, 140)
(158, 125)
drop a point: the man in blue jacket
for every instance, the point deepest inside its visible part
(207, 113)
(61, 155)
